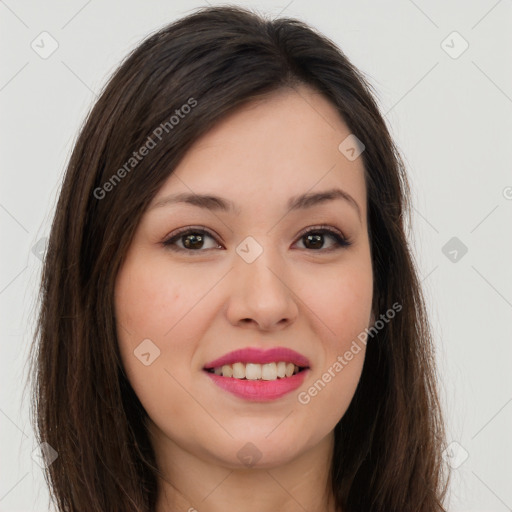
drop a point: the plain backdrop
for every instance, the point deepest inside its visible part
(444, 81)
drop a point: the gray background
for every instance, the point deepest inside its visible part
(450, 113)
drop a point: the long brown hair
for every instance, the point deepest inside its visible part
(388, 445)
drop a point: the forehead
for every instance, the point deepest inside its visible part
(270, 149)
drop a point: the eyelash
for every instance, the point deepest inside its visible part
(342, 242)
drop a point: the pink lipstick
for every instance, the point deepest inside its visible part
(259, 375)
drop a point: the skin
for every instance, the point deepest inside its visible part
(198, 307)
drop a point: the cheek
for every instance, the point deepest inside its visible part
(150, 315)
(148, 301)
(343, 305)
(158, 302)
(342, 301)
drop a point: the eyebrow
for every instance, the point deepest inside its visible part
(215, 203)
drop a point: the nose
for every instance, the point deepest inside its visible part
(261, 294)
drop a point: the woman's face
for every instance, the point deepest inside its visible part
(261, 268)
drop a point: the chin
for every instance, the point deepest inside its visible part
(259, 452)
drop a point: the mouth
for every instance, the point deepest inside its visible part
(259, 375)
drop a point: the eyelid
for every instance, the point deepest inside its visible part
(186, 229)
(320, 227)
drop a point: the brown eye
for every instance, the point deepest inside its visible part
(192, 240)
(315, 239)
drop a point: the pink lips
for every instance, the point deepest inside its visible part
(260, 356)
(260, 390)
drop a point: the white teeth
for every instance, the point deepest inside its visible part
(227, 370)
(253, 371)
(269, 371)
(239, 371)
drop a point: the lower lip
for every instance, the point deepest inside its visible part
(259, 390)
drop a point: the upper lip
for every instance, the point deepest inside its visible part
(260, 356)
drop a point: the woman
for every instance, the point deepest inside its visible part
(231, 315)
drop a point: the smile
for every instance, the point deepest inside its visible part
(259, 375)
